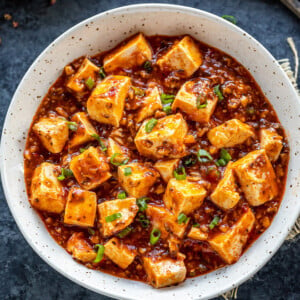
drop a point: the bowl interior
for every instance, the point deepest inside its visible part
(103, 32)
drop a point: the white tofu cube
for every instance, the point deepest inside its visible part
(53, 133)
(183, 196)
(166, 168)
(229, 245)
(80, 208)
(184, 56)
(230, 134)
(122, 211)
(197, 234)
(271, 141)
(131, 54)
(164, 271)
(119, 253)
(225, 194)
(106, 103)
(90, 168)
(137, 179)
(256, 177)
(46, 190)
(197, 99)
(165, 140)
(80, 248)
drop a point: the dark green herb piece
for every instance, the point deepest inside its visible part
(65, 173)
(102, 73)
(182, 218)
(72, 125)
(154, 236)
(189, 160)
(143, 220)
(148, 66)
(196, 225)
(214, 222)
(225, 157)
(91, 231)
(127, 171)
(122, 195)
(150, 125)
(203, 156)
(180, 173)
(125, 232)
(201, 101)
(166, 98)
(142, 203)
(229, 18)
(102, 145)
(218, 92)
(116, 163)
(113, 217)
(90, 83)
(138, 91)
(100, 253)
(167, 108)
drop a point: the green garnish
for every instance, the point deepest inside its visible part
(125, 232)
(102, 73)
(122, 195)
(143, 220)
(182, 218)
(150, 125)
(225, 157)
(100, 253)
(102, 145)
(218, 92)
(229, 18)
(115, 163)
(148, 66)
(90, 83)
(214, 222)
(201, 101)
(196, 225)
(91, 231)
(203, 156)
(81, 150)
(142, 203)
(113, 217)
(72, 125)
(127, 171)
(179, 173)
(154, 236)
(167, 108)
(138, 91)
(65, 173)
(166, 98)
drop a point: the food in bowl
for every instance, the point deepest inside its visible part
(156, 161)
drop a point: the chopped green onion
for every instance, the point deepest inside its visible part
(81, 150)
(122, 195)
(65, 173)
(180, 174)
(218, 92)
(143, 220)
(196, 225)
(97, 137)
(225, 157)
(148, 66)
(221, 162)
(125, 232)
(201, 101)
(115, 163)
(91, 231)
(154, 236)
(113, 217)
(90, 83)
(102, 72)
(72, 125)
(214, 222)
(100, 253)
(189, 160)
(182, 218)
(203, 156)
(167, 108)
(138, 91)
(229, 18)
(166, 98)
(150, 125)
(127, 171)
(142, 203)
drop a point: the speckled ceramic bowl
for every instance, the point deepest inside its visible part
(100, 33)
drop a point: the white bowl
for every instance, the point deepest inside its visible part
(100, 33)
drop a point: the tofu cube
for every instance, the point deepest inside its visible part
(183, 196)
(225, 194)
(151, 103)
(90, 168)
(193, 94)
(271, 141)
(81, 208)
(84, 131)
(139, 181)
(126, 207)
(229, 245)
(106, 103)
(166, 140)
(165, 221)
(230, 134)
(133, 53)
(119, 253)
(113, 148)
(53, 133)
(197, 234)
(87, 70)
(166, 168)
(80, 248)
(46, 190)
(256, 177)
(184, 56)
(163, 272)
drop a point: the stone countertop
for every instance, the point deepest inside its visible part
(23, 274)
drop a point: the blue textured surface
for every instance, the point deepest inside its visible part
(23, 274)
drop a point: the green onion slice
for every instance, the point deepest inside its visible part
(81, 150)
(154, 236)
(229, 18)
(167, 108)
(138, 91)
(166, 98)
(196, 225)
(125, 232)
(127, 171)
(214, 222)
(113, 217)
(150, 125)
(218, 92)
(90, 83)
(142, 203)
(201, 101)
(122, 195)
(102, 145)
(143, 220)
(91, 231)
(180, 173)
(65, 173)
(100, 253)
(203, 156)
(115, 163)
(148, 66)
(189, 160)
(102, 73)
(72, 125)
(225, 157)
(182, 218)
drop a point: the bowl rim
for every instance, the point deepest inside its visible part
(125, 9)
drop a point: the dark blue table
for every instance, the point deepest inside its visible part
(23, 275)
